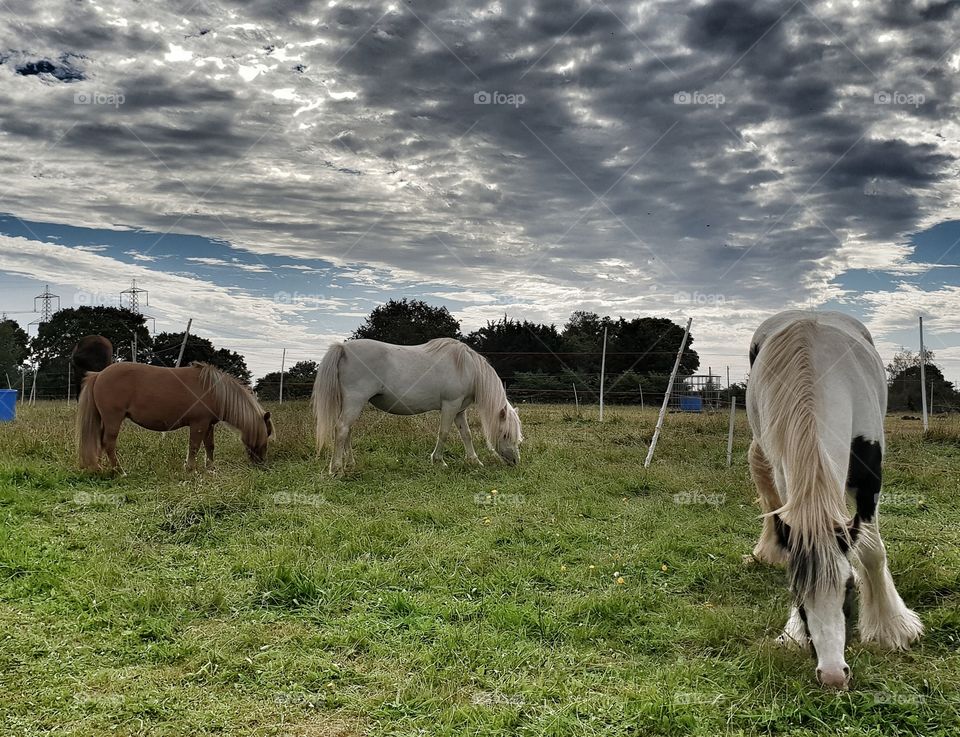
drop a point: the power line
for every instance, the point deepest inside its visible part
(134, 295)
(46, 310)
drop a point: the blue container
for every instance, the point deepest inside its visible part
(691, 404)
(8, 404)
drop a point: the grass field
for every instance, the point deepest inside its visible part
(585, 597)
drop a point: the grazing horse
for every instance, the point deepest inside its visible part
(816, 400)
(162, 399)
(92, 353)
(443, 374)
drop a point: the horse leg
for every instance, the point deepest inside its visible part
(448, 411)
(342, 452)
(208, 445)
(197, 433)
(884, 618)
(349, 460)
(464, 428)
(111, 429)
(768, 548)
(795, 632)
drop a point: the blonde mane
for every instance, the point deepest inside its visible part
(489, 395)
(233, 402)
(784, 379)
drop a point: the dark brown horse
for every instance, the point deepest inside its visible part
(159, 398)
(92, 353)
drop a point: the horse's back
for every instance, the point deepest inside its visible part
(847, 378)
(405, 379)
(846, 324)
(155, 397)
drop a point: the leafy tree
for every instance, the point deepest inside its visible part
(906, 359)
(513, 346)
(584, 330)
(738, 390)
(904, 387)
(408, 322)
(297, 382)
(14, 350)
(54, 342)
(583, 334)
(649, 345)
(166, 348)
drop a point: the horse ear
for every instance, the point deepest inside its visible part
(503, 413)
(266, 420)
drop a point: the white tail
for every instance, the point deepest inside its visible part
(326, 395)
(89, 425)
(814, 508)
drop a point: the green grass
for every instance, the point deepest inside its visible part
(410, 600)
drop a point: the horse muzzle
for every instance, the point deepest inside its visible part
(835, 678)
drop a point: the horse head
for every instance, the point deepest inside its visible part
(509, 435)
(256, 442)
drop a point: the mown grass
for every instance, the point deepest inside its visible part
(407, 599)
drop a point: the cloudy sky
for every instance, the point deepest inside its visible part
(276, 169)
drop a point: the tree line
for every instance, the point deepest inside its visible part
(539, 362)
(903, 381)
(49, 351)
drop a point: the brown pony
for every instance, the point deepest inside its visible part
(161, 399)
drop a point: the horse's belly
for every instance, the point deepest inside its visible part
(155, 425)
(403, 404)
(165, 416)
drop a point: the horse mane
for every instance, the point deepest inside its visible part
(233, 401)
(785, 380)
(459, 350)
(489, 396)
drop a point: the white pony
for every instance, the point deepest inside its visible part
(816, 400)
(443, 374)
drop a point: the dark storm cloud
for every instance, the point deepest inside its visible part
(63, 69)
(734, 146)
(912, 164)
(908, 15)
(728, 24)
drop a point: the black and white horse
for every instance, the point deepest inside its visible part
(816, 400)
